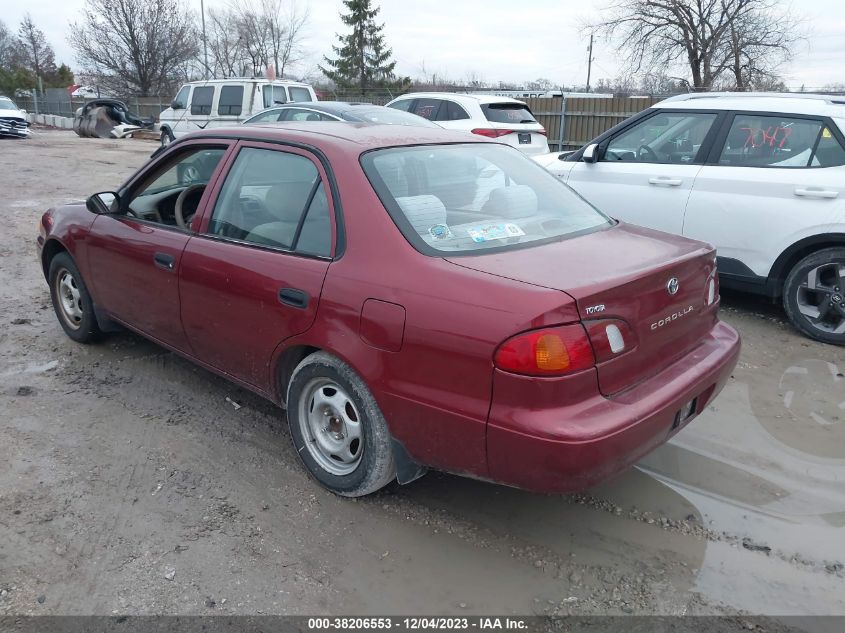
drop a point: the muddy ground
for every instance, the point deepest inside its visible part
(130, 485)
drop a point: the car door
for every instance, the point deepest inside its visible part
(253, 275)
(644, 173)
(772, 180)
(135, 255)
(179, 112)
(229, 105)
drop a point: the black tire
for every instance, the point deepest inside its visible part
(375, 467)
(828, 297)
(71, 300)
(166, 137)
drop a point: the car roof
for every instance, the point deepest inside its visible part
(460, 98)
(797, 103)
(344, 135)
(238, 80)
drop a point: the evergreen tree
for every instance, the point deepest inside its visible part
(363, 59)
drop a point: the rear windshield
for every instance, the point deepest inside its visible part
(507, 113)
(477, 197)
(388, 116)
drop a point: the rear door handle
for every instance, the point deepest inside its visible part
(163, 260)
(663, 180)
(293, 297)
(812, 192)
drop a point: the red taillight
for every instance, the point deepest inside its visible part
(548, 352)
(541, 131)
(490, 132)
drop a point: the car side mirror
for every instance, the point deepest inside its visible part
(103, 203)
(177, 105)
(590, 153)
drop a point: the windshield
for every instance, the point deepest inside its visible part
(7, 104)
(387, 116)
(477, 197)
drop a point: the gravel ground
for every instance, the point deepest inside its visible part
(130, 485)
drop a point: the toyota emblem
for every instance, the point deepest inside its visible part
(673, 286)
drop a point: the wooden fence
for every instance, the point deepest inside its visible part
(572, 122)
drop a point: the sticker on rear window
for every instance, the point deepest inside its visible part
(440, 232)
(488, 232)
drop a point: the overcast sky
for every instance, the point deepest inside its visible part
(508, 40)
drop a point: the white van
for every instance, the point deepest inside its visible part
(223, 102)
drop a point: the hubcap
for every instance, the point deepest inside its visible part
(821, 299)
(70, 298)
(331, 426)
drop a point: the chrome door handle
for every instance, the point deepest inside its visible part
(812, 192)
(662, 180)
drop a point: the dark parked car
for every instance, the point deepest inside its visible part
(338, 111)
(425, 300)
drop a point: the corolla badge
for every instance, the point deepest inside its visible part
(673, 285)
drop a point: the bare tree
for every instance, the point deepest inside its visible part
(36, 54)
(758, 43)
(228, 56)
(707, 36)
(135, 46)
(8, 48)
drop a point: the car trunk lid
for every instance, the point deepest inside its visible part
(623, 273)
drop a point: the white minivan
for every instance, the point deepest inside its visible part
(221, 102)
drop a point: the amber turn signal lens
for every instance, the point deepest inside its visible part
(550, 353)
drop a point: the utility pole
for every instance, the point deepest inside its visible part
(204, 40)
(589, 61)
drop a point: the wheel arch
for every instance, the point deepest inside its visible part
(795, 253)
(52, 247)
(285, 365)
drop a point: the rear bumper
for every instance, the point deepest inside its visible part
(566, 443)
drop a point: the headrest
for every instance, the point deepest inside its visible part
(423, 212)
(516, 201)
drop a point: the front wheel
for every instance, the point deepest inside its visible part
(814, 295)
(337, 428)
(71, 301)
(166, 137)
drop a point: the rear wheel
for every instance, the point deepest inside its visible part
(337, 428)
(814, 295)
(71, 301)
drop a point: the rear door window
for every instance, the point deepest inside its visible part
(299, 94)
(201, 100)
(427, 108)
(274, 198)
(780, 141)
(231, 101)
(507, 113)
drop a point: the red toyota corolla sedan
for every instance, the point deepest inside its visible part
(415, 298)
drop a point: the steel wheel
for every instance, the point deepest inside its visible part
(70, 299)
(331, 426)
(820, 298)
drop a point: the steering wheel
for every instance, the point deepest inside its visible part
(646, 152)
(177, 211)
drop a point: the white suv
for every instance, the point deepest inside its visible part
(222, 102)
(759, 176)
(507, 120)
